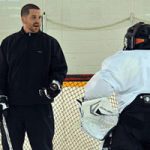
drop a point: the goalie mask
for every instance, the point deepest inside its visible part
(137, 37)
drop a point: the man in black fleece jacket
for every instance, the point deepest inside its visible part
(32, 70)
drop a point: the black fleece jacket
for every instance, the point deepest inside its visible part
(28, 62)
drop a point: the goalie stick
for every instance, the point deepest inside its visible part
(6, 132)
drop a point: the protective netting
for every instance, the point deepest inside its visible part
(68, 133)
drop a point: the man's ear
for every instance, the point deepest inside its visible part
(23, 18)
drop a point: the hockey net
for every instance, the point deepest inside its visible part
(68, 133)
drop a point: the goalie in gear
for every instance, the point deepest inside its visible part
(126, 73)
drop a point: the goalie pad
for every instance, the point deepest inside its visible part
(98, 116)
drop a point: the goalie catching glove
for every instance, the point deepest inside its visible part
(3, 105)
(52, 91)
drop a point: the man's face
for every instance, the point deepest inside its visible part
(32, 21)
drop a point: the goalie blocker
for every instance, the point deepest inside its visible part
(98, 116)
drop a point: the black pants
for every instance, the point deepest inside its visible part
(37, 121)
(133, 129)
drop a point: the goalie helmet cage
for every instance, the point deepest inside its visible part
(68, 133)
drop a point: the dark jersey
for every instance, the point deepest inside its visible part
(28, 62)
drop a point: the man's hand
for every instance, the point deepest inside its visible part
(3, 105)
(52, 91)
